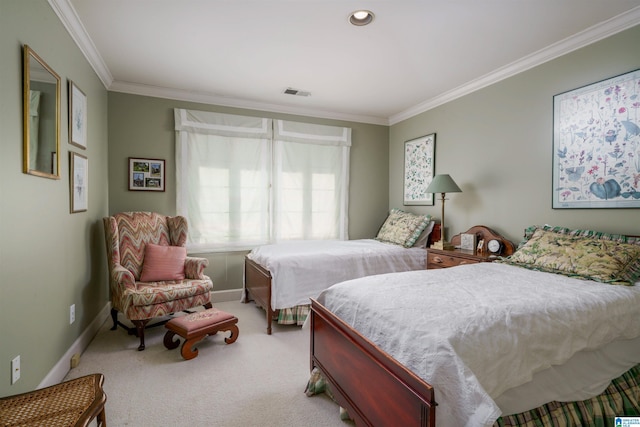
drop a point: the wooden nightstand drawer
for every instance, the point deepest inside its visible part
(440, 259)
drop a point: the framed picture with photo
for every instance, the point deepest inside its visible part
(146, 174)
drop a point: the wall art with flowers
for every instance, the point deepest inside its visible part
(596, 145)
(419, 156)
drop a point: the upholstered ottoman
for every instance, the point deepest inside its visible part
(195, 327)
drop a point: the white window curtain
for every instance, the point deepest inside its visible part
(239, 185)
(310, 181)
(222, 179)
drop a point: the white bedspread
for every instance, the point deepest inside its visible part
(483, 328)
(302, 269)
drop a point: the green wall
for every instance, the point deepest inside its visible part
(496, 143)
(141, 126)
(49, 258)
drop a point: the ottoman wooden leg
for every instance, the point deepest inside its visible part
(187, 350)
(234, 334)
(169, 342)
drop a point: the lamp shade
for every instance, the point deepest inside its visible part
(443, 184)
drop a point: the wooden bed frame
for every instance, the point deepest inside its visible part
(257, 287)
(257, 282)
(373, 387)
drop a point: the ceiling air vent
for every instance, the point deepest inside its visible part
(296, 92)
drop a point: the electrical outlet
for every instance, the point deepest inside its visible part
(15, 369)
(72, 313)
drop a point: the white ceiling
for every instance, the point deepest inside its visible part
(417, 54)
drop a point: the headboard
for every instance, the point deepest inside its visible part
(435, 234)
(486, 234)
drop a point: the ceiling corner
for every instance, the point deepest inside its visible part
(69, 18)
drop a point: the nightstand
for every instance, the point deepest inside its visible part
(439, 258)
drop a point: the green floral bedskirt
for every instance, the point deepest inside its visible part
(621, 398)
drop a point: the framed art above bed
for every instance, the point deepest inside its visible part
(596, 145)
(419, 155)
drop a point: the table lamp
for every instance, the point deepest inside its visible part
(443, 184)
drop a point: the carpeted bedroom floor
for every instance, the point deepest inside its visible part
(257, 381)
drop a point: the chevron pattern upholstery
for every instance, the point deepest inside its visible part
(126, 236)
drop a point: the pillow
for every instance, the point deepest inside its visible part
(593, 258)
(163, 263)
(402, 228)
(528, 232)
(423, 239)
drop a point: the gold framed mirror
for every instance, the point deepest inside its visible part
(41, 120)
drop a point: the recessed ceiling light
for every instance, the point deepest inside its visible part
(361, 17)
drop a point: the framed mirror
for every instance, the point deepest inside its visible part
(41, 120)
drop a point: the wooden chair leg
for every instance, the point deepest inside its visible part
(114, 317)
(140, 324)
(102, 419)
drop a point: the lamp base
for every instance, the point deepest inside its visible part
(442, 245)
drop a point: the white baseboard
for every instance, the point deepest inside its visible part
(61, 369)
(228, 295)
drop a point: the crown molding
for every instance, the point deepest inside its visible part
(584, 38)
(71, 21)
(212, 99)
(69, 18)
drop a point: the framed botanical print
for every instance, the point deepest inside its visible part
(79, 182)
(77, 116)
(418, 170)
(596, 145)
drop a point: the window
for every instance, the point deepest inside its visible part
(245, 181)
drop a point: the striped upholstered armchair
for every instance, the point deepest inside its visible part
(150, 274)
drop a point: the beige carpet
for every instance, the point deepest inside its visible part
(257, 381)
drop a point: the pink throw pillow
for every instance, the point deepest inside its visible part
(163, 263)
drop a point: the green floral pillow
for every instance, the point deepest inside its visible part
(402, 228)
(594, 258)
(528, 232)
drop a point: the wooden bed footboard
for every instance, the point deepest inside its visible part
(257, 287)
(375, 389)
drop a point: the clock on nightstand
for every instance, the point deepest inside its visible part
(493, 246)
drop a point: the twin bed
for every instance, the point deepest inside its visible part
(547, 336)
(281, 278)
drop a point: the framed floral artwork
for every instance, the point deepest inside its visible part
(418, 170)
(77, 116)
(146, 174)
(596, 145)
